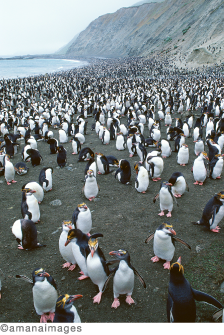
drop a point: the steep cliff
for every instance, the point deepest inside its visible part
(183, 29)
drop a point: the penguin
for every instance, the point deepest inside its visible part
(80, 249)
(164, 243)
(80, 137)
(105, 136)
(199, 169)
(35, 157)
(25, 232)
(180, 139)
(63, 137)
(120, 142)
(29, 205)
(82, 218)
(32, 142)
(216, 166)
(90, 188)
(156, 134)
(9, 171)
(142, 178)
(179, 184)
(131, 139)
(213, 213)
(199, 146)
(66, 251)
(9, 146)
(166, 198)
(141, 152)
(97, 266)
(102, 164)
(165, 149)
(53, 145)
(65, 311)
(168, 119)
(183, 155)
(39, 192)
(214, 149)
(76, 146)
(124, 276)
(45, 178)
(21, 168)
(123, 173)
(112, 160)
(181, 298)
(91, 165)
(85, 154)
(61, 156)
(44, 293)
(155, 165)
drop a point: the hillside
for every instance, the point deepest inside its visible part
(189, 30)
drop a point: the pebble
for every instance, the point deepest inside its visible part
(199, 248)
(56, 202)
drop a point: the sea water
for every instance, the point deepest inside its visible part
(20, 68)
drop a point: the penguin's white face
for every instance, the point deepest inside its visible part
(82, 207)
(67, 225)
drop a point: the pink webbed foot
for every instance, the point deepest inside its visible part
(99, 172)
(200, 184)
(97, 298)
(8, 183)
(43, 318)
(72, 267)
(91, 198)
(116, 303)
(129, 300)
(74, 153)
(81, 273)
(161, 213)
(166, 265)
(218, 177)
(169, 215)
(39, 202)
(196, 183)
(163, 156)
(66, 265)
(20, 247)
(51, 317)
(14, 181)
(88, 234)
(143, 192)
(155, 259)
(130, 155)
(216, 230)
(83, 277)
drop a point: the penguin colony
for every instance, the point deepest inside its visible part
(123, 136)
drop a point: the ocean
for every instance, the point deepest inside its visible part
(20, 68)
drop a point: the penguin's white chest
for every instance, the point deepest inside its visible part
(179, 186)
(17, 230)
(33, 207)
(100, 165)
(106, 138)
(120, 144)
(91, 187)
(9, 171)
(63, 138)
(142, 180)
(199, 170)
(95, 270)
(123, 282)
(218, 217)
(66, 251)
(74, 147)
(44, 297)
(80, 259)
(48, 177)
(217, 170)
(163, 246)
(76, 315)
(199, 147)
(166, 200)
(183, 156)
(84, 221)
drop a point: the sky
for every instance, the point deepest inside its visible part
(44, 26)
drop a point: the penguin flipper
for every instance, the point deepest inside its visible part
(107, 281)
(187, 187)
(112, 261)
(181, 241)
(95, 235)
(218, 314)
(149, 238)
(24, 278)
(139, 277)
(201, 296)
(156, 197)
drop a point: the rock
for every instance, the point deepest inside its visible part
(63, 278)
(199, 248)
(56, 202)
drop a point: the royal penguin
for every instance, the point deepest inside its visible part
(112, 160)
(29, 205)
(90, 165)
(199, 146)
(181, 306)
(76, 146)
(21, 168)
(25, 232)
(35, 157)
(90, 188)
(97, 266)
(9, 146)
(45, 178)
(80, 249)
(213, 148)
(53, 145)
(199, 168)
(141, 152)
(124, 277)
(65, 310)
(9, 171)
(80, 137)
(179, 184)
(166, 198)
(168, 119)
(179, 140)
(216, 166)
(165, 149)
(32, 142)
(39, 192)
(155, 165)
(105, 136)
(123, 173)
(61, 156)
(102, 164)
(164, 243)
(120, 142)
(213, 213)
(66, 251)
(63, 137)
(85, 154)
(131, 139)
(142, 178)
(183, 155)
(82, 218)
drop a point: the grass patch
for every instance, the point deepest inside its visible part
(168, 39)
(184, 31)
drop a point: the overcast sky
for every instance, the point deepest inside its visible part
(44, 26)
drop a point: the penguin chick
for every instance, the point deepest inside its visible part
(181, 305)
(65, 310)
(163, 243)
(166, 198)
(82, 218)
(213, 213)
(66, 251)
(124, 273)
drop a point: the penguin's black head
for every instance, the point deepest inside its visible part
(60, 148)
(176, 268)
(65, 301)
(120, 254)
(39, 275)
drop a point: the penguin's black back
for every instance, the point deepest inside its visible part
(64, 315)
(29, 234)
